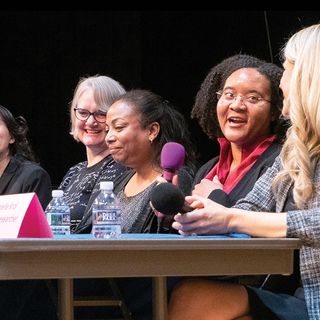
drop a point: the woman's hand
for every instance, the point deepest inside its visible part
(206, 186)
(163, 180)
(208, 218)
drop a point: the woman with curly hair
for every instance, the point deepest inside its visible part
(239, 102)
(284, 202)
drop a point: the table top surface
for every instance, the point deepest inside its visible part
(81, 242)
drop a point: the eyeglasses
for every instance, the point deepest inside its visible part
(229, 97)
(84, 115)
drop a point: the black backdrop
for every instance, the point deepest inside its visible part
(44, 53)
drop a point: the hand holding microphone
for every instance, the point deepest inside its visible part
(171, 159)
(169, 199)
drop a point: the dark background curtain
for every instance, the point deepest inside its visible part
(44, 53)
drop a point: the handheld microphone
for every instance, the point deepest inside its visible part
(171, 159)
(169, 199)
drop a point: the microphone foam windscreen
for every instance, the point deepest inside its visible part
(172, 156)
(167, 198)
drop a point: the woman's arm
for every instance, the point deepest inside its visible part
(212, 218)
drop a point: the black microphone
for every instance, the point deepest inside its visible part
(169, 199)
(171, 159)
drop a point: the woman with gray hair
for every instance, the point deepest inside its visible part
(92, 99)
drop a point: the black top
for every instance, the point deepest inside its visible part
(81, 185)
(275, 283)
(22, 176)
(246, 183)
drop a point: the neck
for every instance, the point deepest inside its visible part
(147, 175)
(95, 156)
(242, 151)
(142, 179)
(236, 152)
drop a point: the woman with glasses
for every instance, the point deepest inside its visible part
(81, 184)
(239, 103)
(246, 119)
(283, 203)
(92, 98)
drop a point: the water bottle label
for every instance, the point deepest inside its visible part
(60, 230)
(59, 218)
(110, 216)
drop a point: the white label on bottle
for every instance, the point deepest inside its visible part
(111, 216)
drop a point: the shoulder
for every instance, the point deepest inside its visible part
(110, 170)
(108, 164)
(267, 158)
(76, 168)
(274, 149)
(209, 164)
(205, 169)
(29, 167)
(121, 180)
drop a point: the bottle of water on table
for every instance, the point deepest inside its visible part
(58, 214)
(106, 213)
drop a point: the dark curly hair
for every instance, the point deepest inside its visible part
(204, 108)
(173, 126)
(18, 129)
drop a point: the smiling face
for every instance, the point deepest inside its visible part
(90, 132)
(128, 142)
(242, 122)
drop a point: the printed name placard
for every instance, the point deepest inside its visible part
(22, 216)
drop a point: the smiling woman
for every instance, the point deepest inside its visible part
(84, 115)
(19, 173)
(240, 103)
(283, 203)
(139, 124)
(92, 98)
(244, 91)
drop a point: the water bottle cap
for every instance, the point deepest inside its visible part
(57, 193)
(106, 185)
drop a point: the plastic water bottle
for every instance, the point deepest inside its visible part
(106, 213)
(58, 214)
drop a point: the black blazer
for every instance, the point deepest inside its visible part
(22, 176)
(246, 183)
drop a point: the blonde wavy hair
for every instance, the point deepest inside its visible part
(301, 150)
(105, 92)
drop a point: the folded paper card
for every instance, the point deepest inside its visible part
(22, 216)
